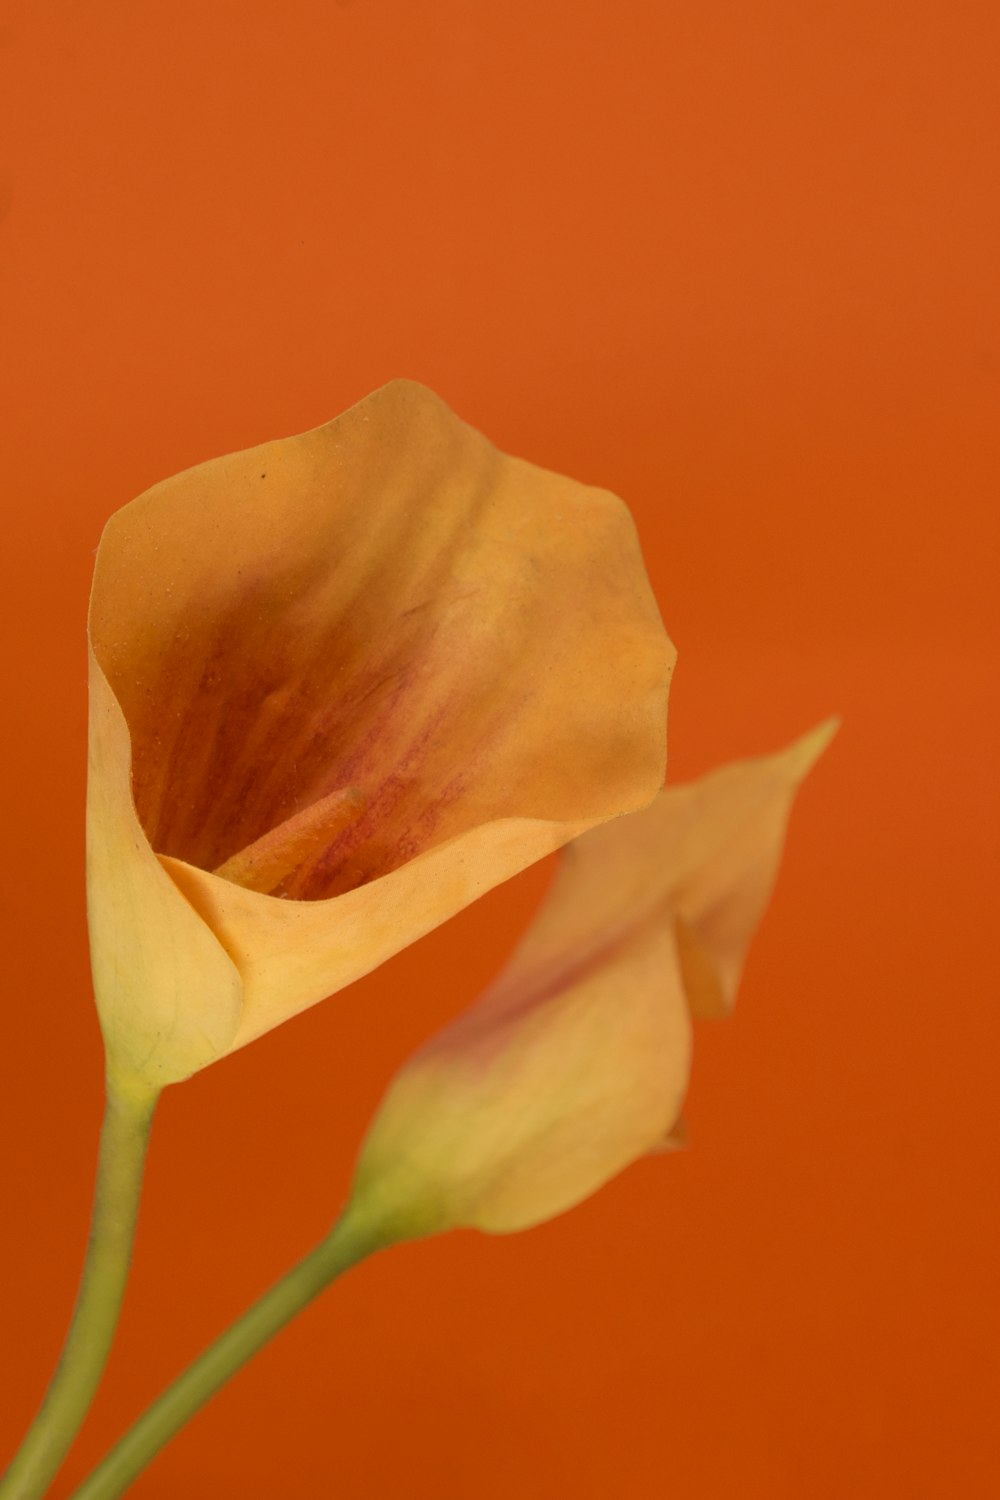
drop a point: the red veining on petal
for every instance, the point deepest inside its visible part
(481, 1033)
(241, 727)
(394, 609)
(271, 860)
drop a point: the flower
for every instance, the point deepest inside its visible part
(575, 1062)
(341, 685)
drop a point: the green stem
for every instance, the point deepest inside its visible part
(351, 1239)
(124, 1137)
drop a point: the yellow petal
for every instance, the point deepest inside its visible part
(167, 993)
(576, 1061)
(562, 1074)
(373, 670)
(727, 832)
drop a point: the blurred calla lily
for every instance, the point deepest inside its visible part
(575, 1062)
(341, 685)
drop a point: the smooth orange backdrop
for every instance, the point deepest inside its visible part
(737, 262)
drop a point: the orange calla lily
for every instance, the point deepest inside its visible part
(341, 685)
(575, 1062)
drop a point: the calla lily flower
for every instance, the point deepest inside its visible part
(575, 1062)
(340, 686)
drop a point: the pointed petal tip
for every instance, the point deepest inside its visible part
(806, 751)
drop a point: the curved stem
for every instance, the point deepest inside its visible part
(351, 1239)
(124, 1137)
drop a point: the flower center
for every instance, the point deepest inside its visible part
(270, 860)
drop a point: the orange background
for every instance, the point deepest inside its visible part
(736, 262)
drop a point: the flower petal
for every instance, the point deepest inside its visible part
(291, 954)
(726, 833)
(386, 603)
(373, 670)
(566, 1070)
(575, 1062)
(168, 996)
